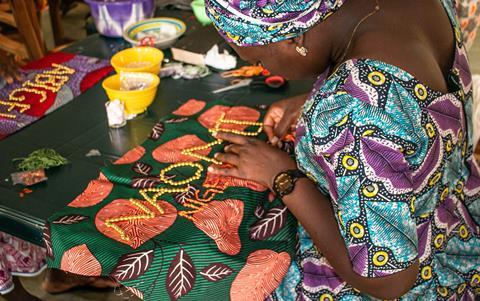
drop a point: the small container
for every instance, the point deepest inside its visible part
(138, 59)
(136, 101)
(115, 113)
(112, 17)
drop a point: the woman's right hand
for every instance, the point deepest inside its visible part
(282, 116)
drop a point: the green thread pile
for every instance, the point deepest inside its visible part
(42, 158)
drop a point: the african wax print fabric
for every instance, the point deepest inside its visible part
(159, 223)
(46, 85)
(469, 18)
(261, 22)
(396, 159)
(18, 258)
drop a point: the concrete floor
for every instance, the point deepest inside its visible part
(74, 28)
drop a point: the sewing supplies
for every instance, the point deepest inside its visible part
(220, 61)
(274, 82)
(246, 71)
(180, 71)
(115, 113)
(28, 178)
(42, 158)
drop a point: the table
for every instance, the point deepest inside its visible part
(81, 125)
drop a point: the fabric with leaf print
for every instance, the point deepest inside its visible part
(170, 249)
(395, 158)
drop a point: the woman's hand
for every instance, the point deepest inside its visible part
(251, 159)
(8, 68)
(282, 116)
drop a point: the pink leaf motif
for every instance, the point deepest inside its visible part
(48, 240)
(216, 271)
(79, 260)
(180, 276)
(157, 131)
(259, 211)
(131, 266)
(270, 225)
(182, 197)
(176, 120)
(145, 182)
(135, 291)
(70, 219)
(142, 168)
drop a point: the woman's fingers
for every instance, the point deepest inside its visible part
(230, 137)
(228, 172)
(229, 158)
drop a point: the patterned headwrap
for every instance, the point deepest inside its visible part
(261, 22)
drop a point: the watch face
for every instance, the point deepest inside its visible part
(284, 183)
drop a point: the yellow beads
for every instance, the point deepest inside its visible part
(51, 80)
(196, 176)
(191, 152)
(221, 121)
(197, 203)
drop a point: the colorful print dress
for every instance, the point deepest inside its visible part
(396, 159)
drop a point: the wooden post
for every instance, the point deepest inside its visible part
(25, 14)
(55, 17)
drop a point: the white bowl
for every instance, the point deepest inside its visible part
(164, 31)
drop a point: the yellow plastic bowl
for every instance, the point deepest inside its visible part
(128, 60)
(136, 101)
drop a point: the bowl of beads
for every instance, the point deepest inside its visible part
(157, 32)
(136, 90)
(138, 59)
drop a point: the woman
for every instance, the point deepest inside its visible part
(388, 193)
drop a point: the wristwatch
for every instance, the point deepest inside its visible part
(284, 182)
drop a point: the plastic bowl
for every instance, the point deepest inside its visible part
(136, 101)
(112, 17)
(171, 28)
(138, 59)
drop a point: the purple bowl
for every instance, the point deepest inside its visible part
(113, 16)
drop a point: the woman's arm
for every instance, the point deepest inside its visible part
(316, 215)
(255, 160)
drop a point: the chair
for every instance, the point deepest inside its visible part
(22, 15)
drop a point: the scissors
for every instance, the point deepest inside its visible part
(246, 71)
(274, 81)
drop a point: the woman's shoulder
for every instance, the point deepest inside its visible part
(368, 94)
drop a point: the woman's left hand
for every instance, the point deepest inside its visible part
(252, 159)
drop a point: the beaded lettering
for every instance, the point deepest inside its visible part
(197, 203)
(50, 80)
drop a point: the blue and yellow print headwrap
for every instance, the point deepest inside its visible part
(261, 22)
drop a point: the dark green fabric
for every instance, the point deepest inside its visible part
(182, 235)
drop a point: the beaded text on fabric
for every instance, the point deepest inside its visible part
(197, 203)
(50, 80)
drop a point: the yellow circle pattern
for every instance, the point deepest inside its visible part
(442, 291)
(376, 78)
(370, 191)
(475, 280)
(463, 231)
(326, 297)
(421, 92)
(350, 162)
(380, 258)
(430, 130)
(426, 272)
(357, 230)
(461, 288)
(444, 194)
(438, 241)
